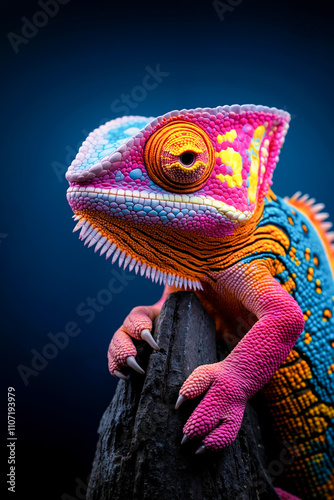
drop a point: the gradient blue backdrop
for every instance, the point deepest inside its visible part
(57, 88)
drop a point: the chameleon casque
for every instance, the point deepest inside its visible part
(185, 200)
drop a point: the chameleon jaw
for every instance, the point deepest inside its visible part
(91, 235)
(189, 202)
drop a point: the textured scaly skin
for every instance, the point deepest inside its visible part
(184, 199)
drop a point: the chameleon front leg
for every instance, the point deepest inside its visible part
(233, 381)
(138, 324)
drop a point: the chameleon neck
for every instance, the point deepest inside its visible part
(185, 253)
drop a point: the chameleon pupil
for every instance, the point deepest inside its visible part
(187, 159)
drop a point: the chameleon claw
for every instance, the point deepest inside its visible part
(185, 439)
(131, 361)
(121, 375)
(181, 399)
(146, 335)
(200, 450)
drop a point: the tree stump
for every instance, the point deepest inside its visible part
(139, 456)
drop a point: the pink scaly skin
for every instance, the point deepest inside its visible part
(228, 384)
(251, 364)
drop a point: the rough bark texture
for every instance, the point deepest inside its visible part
(139, 455)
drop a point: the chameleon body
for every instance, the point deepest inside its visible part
(185, 200)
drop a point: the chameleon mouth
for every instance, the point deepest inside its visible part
(92, 234)
(160, 208)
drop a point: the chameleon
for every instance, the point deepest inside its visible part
(185, 199)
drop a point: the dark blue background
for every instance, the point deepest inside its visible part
(56, 89)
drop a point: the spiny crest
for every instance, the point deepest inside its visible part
(314, 211)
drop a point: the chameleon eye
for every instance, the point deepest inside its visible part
(179, 157)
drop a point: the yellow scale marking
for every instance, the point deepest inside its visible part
(233, 159)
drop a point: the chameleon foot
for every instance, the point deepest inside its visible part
(122, 351)
(217, 418)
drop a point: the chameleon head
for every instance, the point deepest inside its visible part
(192, 173)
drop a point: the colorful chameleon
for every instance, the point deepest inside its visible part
(185, 199)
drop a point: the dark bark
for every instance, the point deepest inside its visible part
(139, 455)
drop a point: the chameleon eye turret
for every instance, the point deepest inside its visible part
(179, 157)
